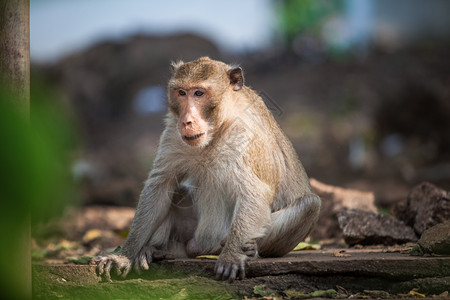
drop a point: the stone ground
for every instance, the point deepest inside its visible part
(352, 273)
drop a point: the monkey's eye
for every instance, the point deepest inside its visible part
(181, 93)
(198, 93)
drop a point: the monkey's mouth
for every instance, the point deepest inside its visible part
(193, 137)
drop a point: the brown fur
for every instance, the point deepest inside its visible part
(233, 186)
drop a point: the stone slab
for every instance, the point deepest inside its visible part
(306, 270)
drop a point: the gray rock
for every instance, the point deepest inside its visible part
(368, 228)
(436, 240)
(426, 206)
(335, 199)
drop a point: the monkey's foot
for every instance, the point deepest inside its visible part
(250, 248)
(147, 255)
(229, 266)
(120, 263)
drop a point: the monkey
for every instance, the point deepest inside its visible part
(226, 180)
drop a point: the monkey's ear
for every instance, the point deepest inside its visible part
(236, 78)
(174, 65)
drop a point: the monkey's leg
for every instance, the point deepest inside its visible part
(170, 239)
(153, 250)
(152, 211)
(249, 223)
(289, 226)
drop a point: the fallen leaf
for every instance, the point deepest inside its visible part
(342, 290)
(340, 253)
(82, 260)
(91, 235)
(326, 294)
(415, 293)
(263, 291)
(116, 250)
(39, 254)
(67, 245)
(214, 257)
(306, 246)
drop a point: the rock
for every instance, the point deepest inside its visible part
(436, 240)
(335, 199)
(368, 228)
(426, 206)
(306, 271)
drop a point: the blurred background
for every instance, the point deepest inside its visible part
(361, 87)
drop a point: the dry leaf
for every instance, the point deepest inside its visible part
(340, 253)
(415, 293)
(91, 235)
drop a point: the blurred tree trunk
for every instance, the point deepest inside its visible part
(15, 50)
(15, 82)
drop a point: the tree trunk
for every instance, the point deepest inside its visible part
(15, 83)
(15, 50)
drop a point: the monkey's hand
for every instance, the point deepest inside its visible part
(120, 263)
(230, 265)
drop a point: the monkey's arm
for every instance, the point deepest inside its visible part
(152, 209)
(252, 215)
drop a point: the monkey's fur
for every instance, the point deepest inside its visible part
(225, 179)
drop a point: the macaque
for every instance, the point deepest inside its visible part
(226, 180)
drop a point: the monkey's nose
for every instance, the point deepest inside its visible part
(187, 123)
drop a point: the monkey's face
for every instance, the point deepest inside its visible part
(191, 105)
(198, 93)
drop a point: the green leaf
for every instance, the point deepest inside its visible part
(213, 257)
(306, 246)
(82, 260)
(38, 254)
(116, 250)
(263, 291)
(326, 294)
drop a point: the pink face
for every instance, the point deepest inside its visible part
(191, 104)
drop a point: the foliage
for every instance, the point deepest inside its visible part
(263, 291)
(35, 175)
(301, 16)
(316, 294)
